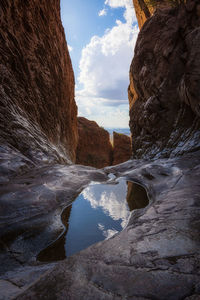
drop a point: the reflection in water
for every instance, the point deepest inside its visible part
(136, 196)
(98, 213)
(56, 250)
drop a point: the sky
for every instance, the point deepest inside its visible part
(101, 36)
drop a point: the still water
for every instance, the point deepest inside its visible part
(99, 212)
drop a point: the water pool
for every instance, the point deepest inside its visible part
(99, 212)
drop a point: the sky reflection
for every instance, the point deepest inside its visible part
(99, 212)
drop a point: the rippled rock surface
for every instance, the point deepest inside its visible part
(37, 107)
(155, 257)
(164, 88)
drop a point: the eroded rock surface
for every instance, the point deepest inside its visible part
(164, 84)
(37, 107)
(31, 205)
(142, 10)
(121, 148)
(156, 256)
(94, 146)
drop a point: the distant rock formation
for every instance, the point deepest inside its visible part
(37, 109)
(121, 148)
(94, 147)
(164, 90)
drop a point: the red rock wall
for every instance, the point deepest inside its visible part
(94, 147)
(164, 91)
(37, 107)
(121, 148)
(142, 11)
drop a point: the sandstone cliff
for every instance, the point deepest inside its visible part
(94, 147)
(164, 89)
(142, 10)
(121, 148)
(37, 107)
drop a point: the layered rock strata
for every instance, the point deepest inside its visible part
(164, 84)
(37, 107)
(121, 148)
(94, 146)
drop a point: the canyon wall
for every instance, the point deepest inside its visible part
(164, 90)
(37, 109)
(94, 147)
(121, 148)
(142, 10)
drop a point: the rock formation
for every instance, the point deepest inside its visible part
(157, 255)
(142, 10)
(94, 147)
(164, 89)
(121, 148)
(37, 109)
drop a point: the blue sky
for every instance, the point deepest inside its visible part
(101, 35)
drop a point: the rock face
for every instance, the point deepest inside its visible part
(121, 148)
(94, 147)
(142, 10)
(164, 88)
(37, 107)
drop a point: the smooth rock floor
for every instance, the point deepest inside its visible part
(157, 256)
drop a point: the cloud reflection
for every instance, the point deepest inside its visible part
(112, 202)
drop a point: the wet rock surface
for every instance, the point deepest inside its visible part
(121, 148)
(31, 205)
(164, 84)
(37, 107)
(155, 257)
(94, 147)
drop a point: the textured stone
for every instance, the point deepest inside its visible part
(121, 148)
(142, 10)
(94, 146)
(164, 84)
(155, 257)
(37, 107)
(31, 205)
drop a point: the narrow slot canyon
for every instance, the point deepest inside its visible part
(99, 150)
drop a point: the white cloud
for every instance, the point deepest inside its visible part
(129, 14)
(104, 69)
(70, 48)
(111, 199)
(102, 12)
